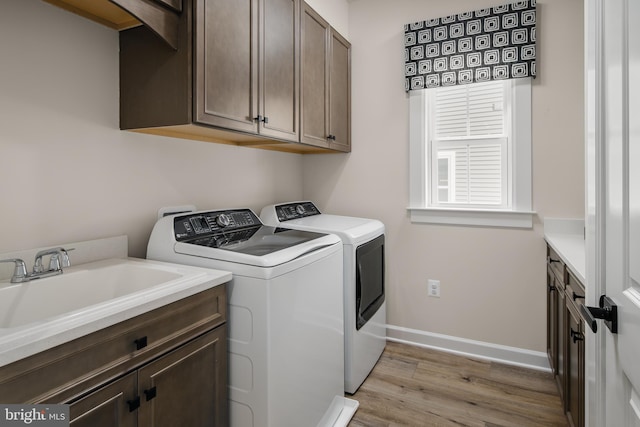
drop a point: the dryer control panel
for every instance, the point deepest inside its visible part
(207, 223)
(296, 210)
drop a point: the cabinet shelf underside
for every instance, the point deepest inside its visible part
(101, 11)
(202, 133)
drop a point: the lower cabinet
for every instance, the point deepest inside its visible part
(183, 388)
(565, 336)
(166, 367)
(561, 377)
(574, 396)
(556, 327)
(186, 387)
(575, 369)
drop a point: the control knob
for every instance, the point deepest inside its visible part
(300, 209)
(223, 220)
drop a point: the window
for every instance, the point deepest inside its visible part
(468, 138)
(471, 154)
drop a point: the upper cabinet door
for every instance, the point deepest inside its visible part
(314, 123)
(247, 73)
(340, 93)
(279, 69)
(326, 84)
(226, 64)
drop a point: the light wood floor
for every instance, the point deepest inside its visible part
(412, 386)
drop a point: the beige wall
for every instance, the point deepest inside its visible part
(493, 280)
(68, 174)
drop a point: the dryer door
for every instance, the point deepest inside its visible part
(369, 279)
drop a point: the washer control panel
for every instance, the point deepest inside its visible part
(296, 210)
(205, 223)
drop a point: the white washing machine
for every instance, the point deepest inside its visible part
(365, 313)
(285, 314)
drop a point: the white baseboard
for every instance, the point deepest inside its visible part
(465, 347)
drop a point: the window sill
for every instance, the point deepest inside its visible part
(473, 217)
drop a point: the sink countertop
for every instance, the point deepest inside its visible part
(566, 237)
(26, 340)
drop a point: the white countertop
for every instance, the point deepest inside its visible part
(566, 237)
(47, 325)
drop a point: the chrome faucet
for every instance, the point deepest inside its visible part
(59, 259)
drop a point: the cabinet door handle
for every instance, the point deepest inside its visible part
(150, 394)
(331, 137)
(576, 296)
(265, 120)
(258, 118)
(576, 336)
(134, 404)
(141, 343)
(551, 288)
(551, 260)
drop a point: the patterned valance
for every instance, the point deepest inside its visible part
(488, 44)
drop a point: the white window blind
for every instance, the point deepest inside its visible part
(469, 128)
(470, 154)
(470, 110)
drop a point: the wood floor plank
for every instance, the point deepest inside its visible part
(413, 386)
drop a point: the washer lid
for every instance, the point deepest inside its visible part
(237, 235)
(262, 246)
(256, 241)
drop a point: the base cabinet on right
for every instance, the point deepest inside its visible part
(565, 336)
(574, 397)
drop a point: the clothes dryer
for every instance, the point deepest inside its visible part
(285, 339)
(364, 269)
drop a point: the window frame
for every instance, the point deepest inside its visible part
(518, 212)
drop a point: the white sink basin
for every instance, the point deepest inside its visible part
(75, 289)
(45, 312)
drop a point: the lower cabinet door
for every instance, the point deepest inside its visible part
(552, 322)
(108, 406)
(561, 378)
(187, 387)
(575, 368)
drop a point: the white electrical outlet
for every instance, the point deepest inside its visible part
(434, 288)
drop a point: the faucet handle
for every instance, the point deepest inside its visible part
(20, 270)
(65, 257)
(60, 259)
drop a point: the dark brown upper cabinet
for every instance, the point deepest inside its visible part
(246, 62)
(234, 78)
(326, 84)
(269, 74)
